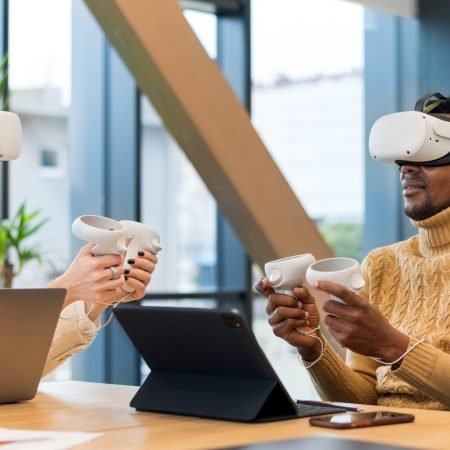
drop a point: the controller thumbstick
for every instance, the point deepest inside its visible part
(275, 276)
(356, 282)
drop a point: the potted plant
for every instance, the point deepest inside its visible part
(13, 233)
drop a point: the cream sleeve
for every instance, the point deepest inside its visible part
(74, 333)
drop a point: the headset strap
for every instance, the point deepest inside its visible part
(420, 104)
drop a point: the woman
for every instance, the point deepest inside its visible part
(92, 284)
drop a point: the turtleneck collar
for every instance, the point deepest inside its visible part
(434, 234)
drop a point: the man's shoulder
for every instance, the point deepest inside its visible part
(393, 250)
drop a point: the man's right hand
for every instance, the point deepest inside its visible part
(290, 318)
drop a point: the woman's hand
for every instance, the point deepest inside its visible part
(99, 280)
(137, 279)
(90, 277)
(140, 275)
(357, 325)
(290, 318)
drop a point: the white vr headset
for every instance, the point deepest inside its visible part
(411, 137)
(10, 136)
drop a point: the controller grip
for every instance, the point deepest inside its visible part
(111, 248)
(132, 253)
(134, 246)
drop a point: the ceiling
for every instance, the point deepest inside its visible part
(404, 8)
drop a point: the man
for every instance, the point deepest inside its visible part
(397, 330)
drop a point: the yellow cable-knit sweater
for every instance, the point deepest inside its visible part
(410, 283)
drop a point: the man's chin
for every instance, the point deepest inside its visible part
(423, 211)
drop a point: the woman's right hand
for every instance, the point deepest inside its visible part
(90, 278)
(290, 318)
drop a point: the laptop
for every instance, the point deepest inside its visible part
(207, 363)
(28, 319)
(320, 442)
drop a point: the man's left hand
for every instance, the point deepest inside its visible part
(359, 326)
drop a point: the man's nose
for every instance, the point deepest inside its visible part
(409, 168)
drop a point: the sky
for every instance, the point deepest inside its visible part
(39, 43)
(303, 38)
(297, 38)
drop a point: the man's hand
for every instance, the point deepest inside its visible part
(359, 326)
(290, 318)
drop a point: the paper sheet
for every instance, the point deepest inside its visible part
(42, 440)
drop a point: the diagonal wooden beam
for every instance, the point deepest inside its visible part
(204, 116)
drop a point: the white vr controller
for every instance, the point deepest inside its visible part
(10, 136)
(339, 270)
(286, 273)
(114, 237)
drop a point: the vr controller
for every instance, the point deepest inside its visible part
(286, 273)
(111, 236)
(10, 136)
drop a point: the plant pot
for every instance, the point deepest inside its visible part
(8, 275)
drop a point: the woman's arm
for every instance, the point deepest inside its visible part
(90, 278)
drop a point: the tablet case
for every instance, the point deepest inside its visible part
(204, 363)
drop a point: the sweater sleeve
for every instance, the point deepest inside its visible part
(74, 333)
(354, 382)
(427, 369)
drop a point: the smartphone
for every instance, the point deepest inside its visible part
(361, 419)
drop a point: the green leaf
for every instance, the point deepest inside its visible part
(15, 231)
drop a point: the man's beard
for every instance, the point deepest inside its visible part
(425, 210)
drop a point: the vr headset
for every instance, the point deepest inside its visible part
(10, 136)
(412, 137)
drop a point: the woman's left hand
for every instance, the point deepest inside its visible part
(139, 275)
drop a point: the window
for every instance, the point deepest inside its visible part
(49, 158)
(39, 80)
(175, 201)
(307, 105)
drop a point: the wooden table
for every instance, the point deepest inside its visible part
(78, 406)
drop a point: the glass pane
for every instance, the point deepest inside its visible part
(39, 78)
(307, 105)
(40, 86)
(175, 201)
